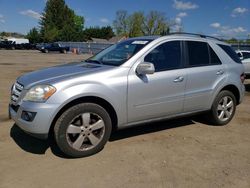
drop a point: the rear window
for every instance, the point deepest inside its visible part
(230, 52)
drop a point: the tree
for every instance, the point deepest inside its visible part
(59, 22)
(135, 24)
(155, 24)
(232, 40)
(79, 23)
(34, 36)
(97, 32)
(5, 34)
(121, 23)
(138, 24)
(107, 32)
(11, 34)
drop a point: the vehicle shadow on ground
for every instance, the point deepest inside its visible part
(37, 146)
(27, 142)
(150, 128)
(33, 145)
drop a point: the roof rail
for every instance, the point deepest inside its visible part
(194, 34)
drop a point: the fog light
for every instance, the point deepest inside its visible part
(28, 116)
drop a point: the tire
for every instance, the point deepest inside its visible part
(64, 51)
(46, 51)
(223, 108)
(83, 130)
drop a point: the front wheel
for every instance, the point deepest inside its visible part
(83, 130)
(223, 108)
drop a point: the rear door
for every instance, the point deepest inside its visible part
(204, 72)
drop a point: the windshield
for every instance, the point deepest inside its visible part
(118, 54)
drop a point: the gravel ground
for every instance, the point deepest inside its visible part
(178, 153)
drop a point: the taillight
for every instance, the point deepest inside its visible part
(242, 77)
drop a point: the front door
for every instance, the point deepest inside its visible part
(162, 93)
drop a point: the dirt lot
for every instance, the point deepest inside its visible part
(178, 153)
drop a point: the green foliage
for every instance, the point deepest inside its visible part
(237, 41)
(79, 23)
(98, 32)
(51, 34)
(60, 23)
(121, 23)
(138, 24)
(34, 36)
(11, 34)
(156, 24)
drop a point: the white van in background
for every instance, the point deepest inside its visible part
(18, 40)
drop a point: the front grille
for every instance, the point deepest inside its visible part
(16, 91)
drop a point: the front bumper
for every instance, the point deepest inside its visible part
(40, 126)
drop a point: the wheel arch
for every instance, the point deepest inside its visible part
(87, 99)
(232, 88)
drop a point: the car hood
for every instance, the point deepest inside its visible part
(61, 72)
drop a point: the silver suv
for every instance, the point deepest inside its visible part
(136, 81)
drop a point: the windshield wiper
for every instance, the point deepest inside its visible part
(93, 61)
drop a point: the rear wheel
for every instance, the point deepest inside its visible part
(223, 108)
(83, 130)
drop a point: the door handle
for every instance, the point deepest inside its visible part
(220, 72)
(179, 79)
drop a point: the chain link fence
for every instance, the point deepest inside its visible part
(85, 47)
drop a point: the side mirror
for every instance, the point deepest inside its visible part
(145, 68)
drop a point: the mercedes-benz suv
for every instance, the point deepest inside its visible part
(136, 81)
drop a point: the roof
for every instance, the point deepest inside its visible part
(147, 37)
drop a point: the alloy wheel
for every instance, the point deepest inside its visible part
(85, 131)
(225, 108)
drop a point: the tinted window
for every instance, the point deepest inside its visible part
(166, 56)
(198, 53)
(230, 52)
(214, 59)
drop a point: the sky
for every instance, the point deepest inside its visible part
(228, 18)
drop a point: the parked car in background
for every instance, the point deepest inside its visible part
(27, 46)
(54, 47)
(136, 81)
(17, 43)
(244, 55)
(246, 63)
(6, 44)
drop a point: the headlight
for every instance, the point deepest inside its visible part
(39, 93)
